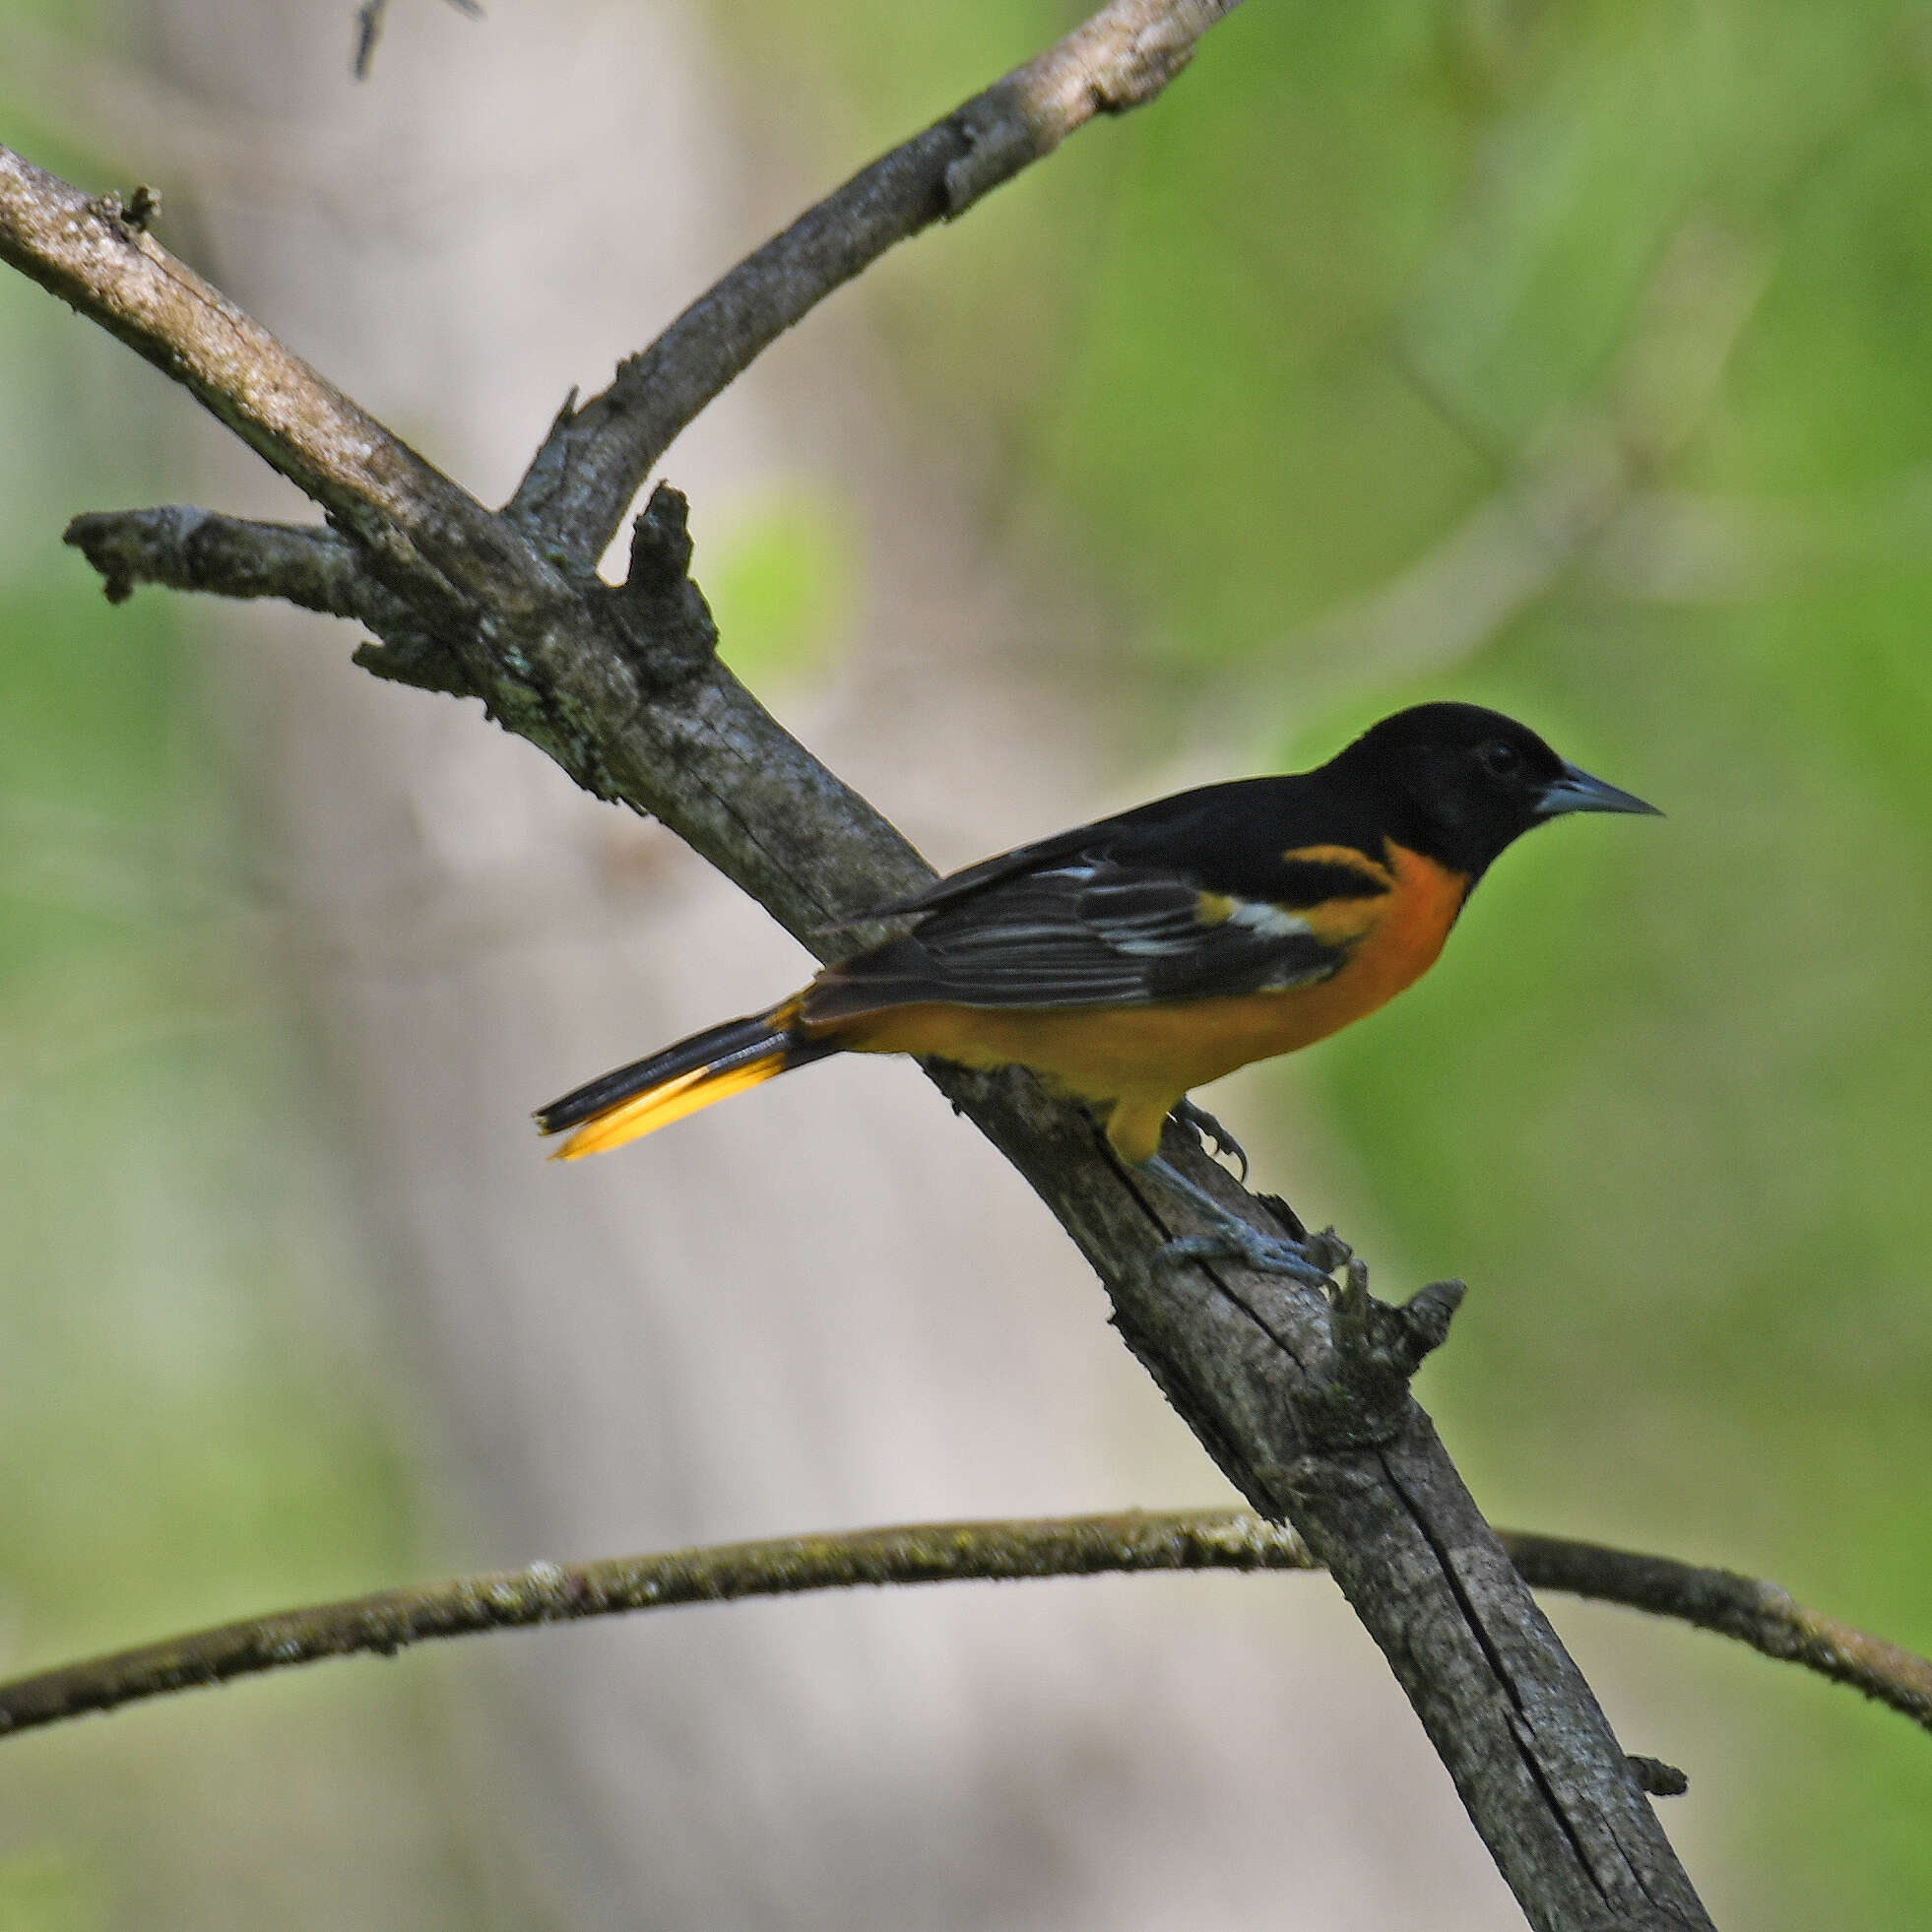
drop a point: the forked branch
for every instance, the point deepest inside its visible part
(596, 457)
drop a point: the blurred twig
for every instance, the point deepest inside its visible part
(106, 103)
(368, 29)
(1755, 1613)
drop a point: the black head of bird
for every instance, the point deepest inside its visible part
(1458, 783)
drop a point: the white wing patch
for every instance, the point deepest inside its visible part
(1270, 921)
(1083, 933)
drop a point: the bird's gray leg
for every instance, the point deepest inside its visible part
(1235, 1240)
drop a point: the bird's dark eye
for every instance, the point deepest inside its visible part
(1500, 759)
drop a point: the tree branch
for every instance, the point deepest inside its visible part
(186, 548)
(108, 267)
(1304, 1405)
(596, 459)
(1752, 1612)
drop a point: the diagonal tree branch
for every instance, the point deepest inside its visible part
(100, 259)
(1304, 1404)
(1752, 1612)
(1306, 1409)
(596, 459)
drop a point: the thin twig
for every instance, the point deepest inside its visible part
(1747, 1608)
(368, 29)
(1755, 1613)
(597, 456)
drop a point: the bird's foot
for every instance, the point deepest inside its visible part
(1212, 1133)
(1264, 1253)
(1312, 1259)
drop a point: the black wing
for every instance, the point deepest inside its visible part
(1230, 838)
(1091, 932)
(964, 884)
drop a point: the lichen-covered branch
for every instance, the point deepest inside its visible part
(1755, 1613)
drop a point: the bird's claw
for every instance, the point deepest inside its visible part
(1264, 1253)
(1308, 1259)
(1212, 1133)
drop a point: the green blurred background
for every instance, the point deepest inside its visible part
(1573, 359)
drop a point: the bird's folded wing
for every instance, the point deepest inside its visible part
(1087, 932)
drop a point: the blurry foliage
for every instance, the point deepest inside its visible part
(1367, 273)
(184, 1433)
(782, 580)
(46, 1895)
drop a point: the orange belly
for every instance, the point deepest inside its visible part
(1137, 1061)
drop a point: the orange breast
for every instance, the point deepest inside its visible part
(1401, 939)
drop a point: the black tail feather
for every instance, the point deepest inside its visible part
(735, 1040)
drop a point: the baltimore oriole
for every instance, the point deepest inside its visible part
(1130, 960)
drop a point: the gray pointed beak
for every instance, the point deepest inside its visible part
(1577, 791)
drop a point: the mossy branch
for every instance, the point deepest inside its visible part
(1132, 1541)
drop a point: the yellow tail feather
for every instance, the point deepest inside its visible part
(659, 1106)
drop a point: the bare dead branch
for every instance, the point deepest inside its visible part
(1752, 1612)
(110, 268)
(186, 548)
(596, 458)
